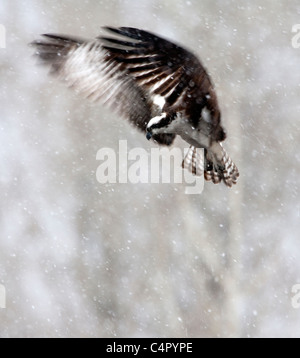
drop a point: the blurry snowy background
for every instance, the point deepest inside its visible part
(78, 258)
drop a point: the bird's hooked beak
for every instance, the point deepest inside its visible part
(148, 135)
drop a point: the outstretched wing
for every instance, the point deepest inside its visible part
(93, 71)
(162, 68)
(159, 66)
(128, 71)
(90, 69)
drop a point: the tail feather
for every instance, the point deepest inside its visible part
(194, 161)
(215, 170)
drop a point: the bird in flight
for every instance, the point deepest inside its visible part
(160, 87)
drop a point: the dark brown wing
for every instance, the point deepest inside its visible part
(158, 65)
(128, 72)
(89, 69)
(163, 68)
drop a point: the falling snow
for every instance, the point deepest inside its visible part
(80, 258)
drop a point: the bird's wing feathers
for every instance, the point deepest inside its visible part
(159, 66)
(125, 71)
(138, 74)
(89, 69)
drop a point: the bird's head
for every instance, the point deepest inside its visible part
(156, 126)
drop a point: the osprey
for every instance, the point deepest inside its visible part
(160, 87)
